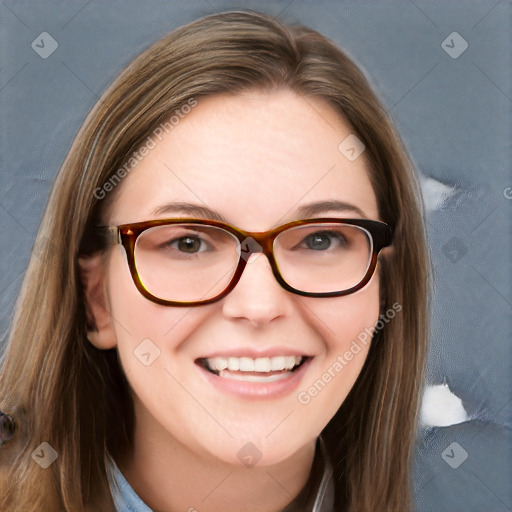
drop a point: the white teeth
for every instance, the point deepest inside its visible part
(277, 363)
(233, 364)
(262, 364)
(221, 363)
(248, 364)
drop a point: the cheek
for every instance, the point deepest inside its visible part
(346, 326)
(150, 344)
(343, 319)
(355, 315)
(143, 326)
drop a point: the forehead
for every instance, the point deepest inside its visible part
(253, 157)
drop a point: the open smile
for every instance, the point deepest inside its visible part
(261, 377)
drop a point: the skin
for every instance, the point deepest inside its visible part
(255, 158)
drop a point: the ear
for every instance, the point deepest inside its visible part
(100, 325)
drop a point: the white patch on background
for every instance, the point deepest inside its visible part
(435, 194)
(441, 408)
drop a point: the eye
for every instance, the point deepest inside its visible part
(323, 240)
(188, 244)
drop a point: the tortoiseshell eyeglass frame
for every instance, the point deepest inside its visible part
(126, 234)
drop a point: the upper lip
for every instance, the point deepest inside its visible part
(256, 353)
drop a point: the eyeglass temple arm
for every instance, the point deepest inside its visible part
(112, 235)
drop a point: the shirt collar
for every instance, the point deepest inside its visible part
(317, 495)
(125, 498)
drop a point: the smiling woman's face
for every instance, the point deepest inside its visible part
(254, 159)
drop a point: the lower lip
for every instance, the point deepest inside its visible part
(256, 390)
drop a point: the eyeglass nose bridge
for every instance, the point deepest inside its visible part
(256, 243)
(259, 242)
(248, 247)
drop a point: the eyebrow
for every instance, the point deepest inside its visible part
(313, 209)
(195, 210)
(305, 211)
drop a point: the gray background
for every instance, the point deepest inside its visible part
(453, 115)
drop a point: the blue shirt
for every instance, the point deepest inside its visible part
(319, 496)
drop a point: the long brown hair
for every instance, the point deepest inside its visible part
(65, 392)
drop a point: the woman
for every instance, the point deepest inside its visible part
(228, 306)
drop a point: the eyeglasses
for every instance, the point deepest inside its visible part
(192, 262)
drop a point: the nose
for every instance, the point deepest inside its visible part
(257, 298)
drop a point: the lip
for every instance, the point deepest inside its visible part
(255, 390)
